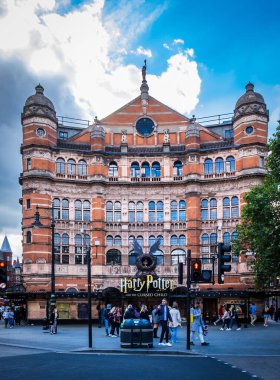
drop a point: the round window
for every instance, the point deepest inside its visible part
(249, 130)
(40, 132)
(145, 126)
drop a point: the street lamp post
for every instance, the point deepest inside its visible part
(88, 255)
(37, 224)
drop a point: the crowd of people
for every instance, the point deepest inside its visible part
(163, 317)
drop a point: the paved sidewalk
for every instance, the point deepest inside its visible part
(252, 341)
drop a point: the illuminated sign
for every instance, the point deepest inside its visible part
(149, 283)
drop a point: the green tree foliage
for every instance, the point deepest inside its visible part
(259, 230)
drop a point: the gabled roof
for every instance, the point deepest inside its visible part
(6, 245)
(128, 113)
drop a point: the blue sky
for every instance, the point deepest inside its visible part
(88, 55)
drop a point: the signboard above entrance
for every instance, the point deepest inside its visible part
(145, 284)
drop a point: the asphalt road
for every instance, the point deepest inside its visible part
(71, 366)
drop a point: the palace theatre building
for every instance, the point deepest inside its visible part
(143, 173)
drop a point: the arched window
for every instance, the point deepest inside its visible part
(182, 210)
(71, 167)
(60, 166)
(28, 237)
(118, 240)
(156, 169)
(208, 166)
(117, 212)
(226, 208)
(131, 240)
(65, 209)
(109, 240)
(219, 165)
(205, 243)
(182, 240)
(234, 236)
(113, 257)
(152, 240)
(86, 211)
(230, 164)
(174, 240)
(213, 239)
(82, 168)
(177, 169)
(139, 211)
(145, 170)
(109, 212)
(113, 169)
(178, 256)
(161, 239)
(56, 208)
(135, 170)
(204, 209)
(65, 249)
(140, 240)
(152, 211)
(234, 207)
(78, 210)
(132, 257)
(160, 211)
(57, 243)
(113, 212)
(226, 238)
(78, 249)
(174, 211)
(159, 257)
(131, 211)
(213, 209)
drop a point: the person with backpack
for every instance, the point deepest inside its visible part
(129, 312)
(176, 318)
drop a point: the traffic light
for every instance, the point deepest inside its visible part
(3, 272)
(223, 257)
(195, 270)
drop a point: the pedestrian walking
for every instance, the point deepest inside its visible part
(271, 312)
(234, 318)
(53, 321)
(106, 319)
(221, 311)
(11, 317)
(155, 321)
(17, 316)
(164, 319)
(176, 318)
(253, 314)
(5, 316)
(265, 316)
(115, 321)
(226, 318)
(197, 326)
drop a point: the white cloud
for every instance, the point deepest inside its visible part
(166, 46)
(82, 46)
(142, 51)
(84, 49)
(178, 41)
(179, 85)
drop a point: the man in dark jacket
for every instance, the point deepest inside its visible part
(164, 317)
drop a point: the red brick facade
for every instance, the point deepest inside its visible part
(183, 182)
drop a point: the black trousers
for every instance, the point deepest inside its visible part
(164, 330)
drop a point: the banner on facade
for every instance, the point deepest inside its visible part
(146, 285)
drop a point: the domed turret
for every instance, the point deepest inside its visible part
(249, 103)
(39, 105)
